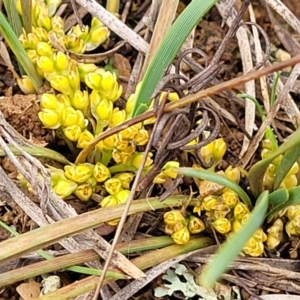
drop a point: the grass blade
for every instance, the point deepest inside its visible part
(27, 14)
(211, 176)
(19, 52)
(168, 49)
(232, 247)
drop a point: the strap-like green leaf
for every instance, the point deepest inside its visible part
(19, 52)
(258, 170)
(289, 158)
(233, 246)
(168, 49)
(211, 176)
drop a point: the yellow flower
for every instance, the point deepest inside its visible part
(289, 182)
(234, 174)
(84, 192)
(275, 234)
(46, 64)
(293, 170)
(103, 111)
(97, 36)
(181, 236)
(110, 200)
(49, 101)
(197, 210)
(118, 117)
(293, 211)
(174, 216)
(141, 138)
(70, 116)
(44, 21)
(122, 196)
(72, 132)
(253, 247)
(129, 104)
(84, 139)
(44, 49)
(268, 144)
(169, 229)
(125, 179)
(85, 69)
(240, 210)
(210, 202)
(108, 80)
(113, 185)
(80, 100)
(52, 6)
(219, 149)
(260, 235)
(61, 84)
(136, 160)
(222, 225)
(101, 172)
(79, 173)
(168, 169)
(196, 225)
(50, 118)
(40, 33)
(207, 152)
(64, 187)
(230, 198)
(93, 80)
(160, 178)
(26, 85)
(74, 79)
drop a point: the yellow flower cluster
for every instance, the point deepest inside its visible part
(290, 180)
(180, 227)
(80, 114)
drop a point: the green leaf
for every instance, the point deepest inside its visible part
(292, 199)
(211, 176)
(27, 14)
(233, 246)
(168, 49)
(289, 158)
(19, 52)
(257, 171)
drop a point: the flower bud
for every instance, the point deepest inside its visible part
(141, 138)
(96, 37)
(293, 227)
(26, 85)
(80, 100)
(260, 235)
(293, 211)
(268, 144)
(101, 172)
(45, 64)
(56, 174)
(265, 153)
(85, 69)
(240, 210)
(118, 117)
(44, 21)
(72, 132)
(109, 143)
(58, 25)
(74, 80)
(79, 32)
(33, 41)
(230, 198)
(174, 216)
(40, 33)
(210, 202)
(49, 101)
(160, 178)
(129, 104)
(61, 61)
(169, 229)
(219, 149)
(181, 236)
(233, 174)
(110, 200)
(196, 225)
(113, 185)
(93, 81)
(294, 169)
(114, 94)
(84, 139)
(50, 118)
(125, 179)
(168, 169)
(197, 210)
(64, 188)
(275, 234)
(70, 116)
(63, 99)
(253, 247)
(129, 133)
(61, 84)
(52, 6)
(79, 173)
(44, 49)
(103, 111)
(136, 160)
(122, 196)
(222, 225)
(84, 192)
(289, 182)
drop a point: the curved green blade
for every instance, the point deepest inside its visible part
(211, 176)
(168, 49)
(233, 246)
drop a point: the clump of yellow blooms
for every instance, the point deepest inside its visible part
(82, 106)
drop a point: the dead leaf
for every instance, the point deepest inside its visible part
(29, 290)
